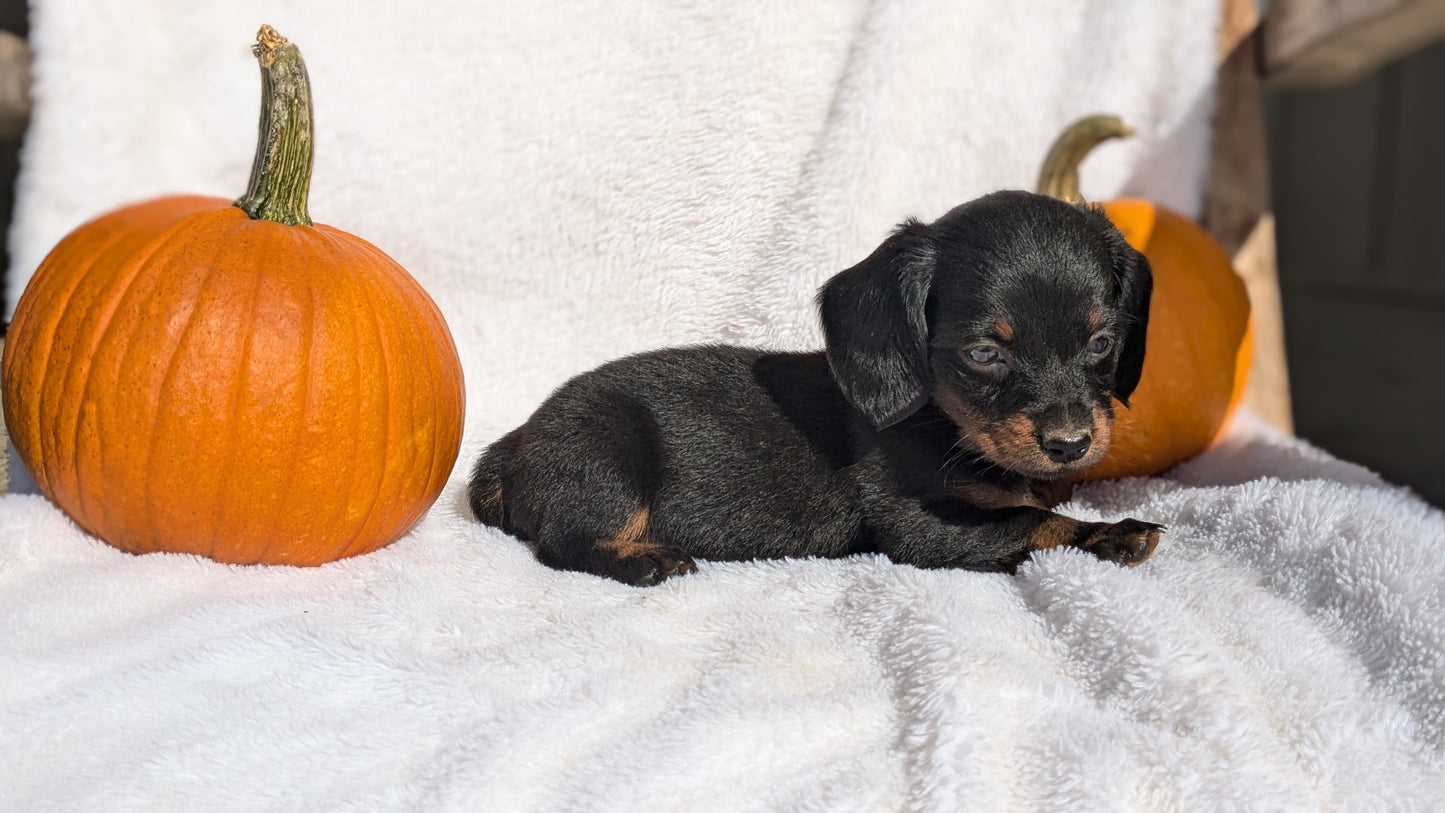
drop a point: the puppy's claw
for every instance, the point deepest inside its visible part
(1127, 542)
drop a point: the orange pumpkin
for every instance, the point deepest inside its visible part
(196, 376)
(1197, 356)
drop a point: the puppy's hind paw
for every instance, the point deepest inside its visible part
(653, 566)
(1126, 542)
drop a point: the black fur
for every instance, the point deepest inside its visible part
(970, 370)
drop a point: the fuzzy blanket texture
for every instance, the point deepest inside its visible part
(576, 181)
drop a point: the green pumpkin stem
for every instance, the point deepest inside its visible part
(281, 173)
(1059, 177)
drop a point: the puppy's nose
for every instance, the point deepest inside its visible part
(1066, 449)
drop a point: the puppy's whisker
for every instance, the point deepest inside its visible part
(955, 453)
(934, 420)
(949, 457)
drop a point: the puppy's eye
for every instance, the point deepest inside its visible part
(1101, 344)
(983, 355)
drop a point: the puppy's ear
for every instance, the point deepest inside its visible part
(1133, 283)
(876, 328)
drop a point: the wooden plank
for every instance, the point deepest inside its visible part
(14, 85)
(1238, 19)
(1236, 207)
(1268, 393)
(1315, 42)
(1237, 190)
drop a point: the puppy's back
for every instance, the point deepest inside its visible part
(712, 439)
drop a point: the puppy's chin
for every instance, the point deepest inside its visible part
(1039, 467)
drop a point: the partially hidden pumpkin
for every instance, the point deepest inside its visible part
(230, 380)
(1200, 340)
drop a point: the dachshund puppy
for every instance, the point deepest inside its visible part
(971, 365)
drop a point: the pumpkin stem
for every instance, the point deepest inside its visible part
(281, 173)
(1059, 177)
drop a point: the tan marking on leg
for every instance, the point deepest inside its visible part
(633, 539)
(1053, 532)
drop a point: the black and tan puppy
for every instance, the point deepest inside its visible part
(971, 364)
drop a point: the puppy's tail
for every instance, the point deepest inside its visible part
(484, 492)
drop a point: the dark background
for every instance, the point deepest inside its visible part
(1357, 177)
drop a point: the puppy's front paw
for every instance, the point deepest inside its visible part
(1126, 542)
(650, 568)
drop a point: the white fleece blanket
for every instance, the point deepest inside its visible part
(573, 181)
(1283, 650)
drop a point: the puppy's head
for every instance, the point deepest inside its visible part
(1020, 316)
